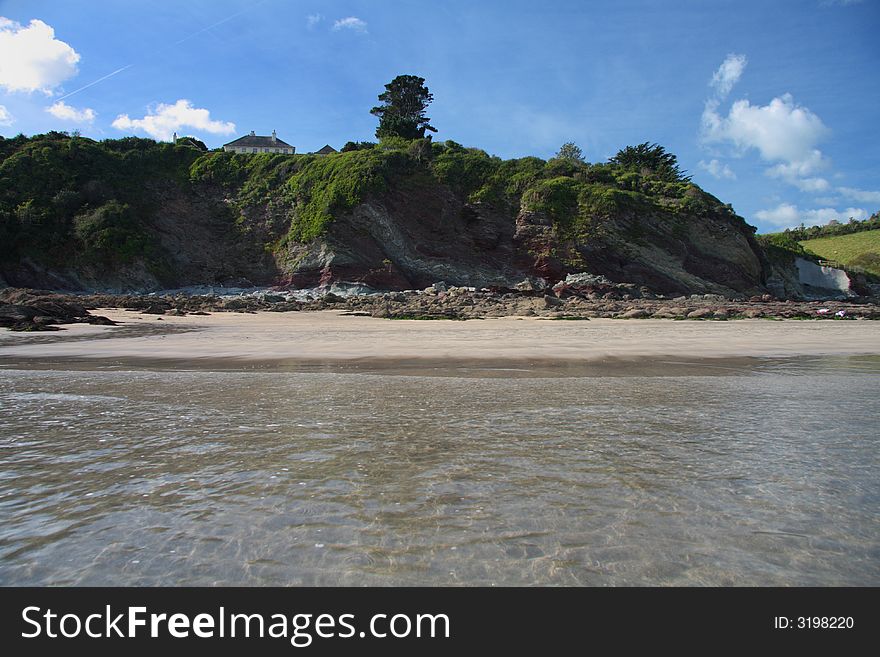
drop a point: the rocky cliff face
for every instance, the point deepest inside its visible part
(95, 216)
(194, 240)
(407, 239)
(695, 254)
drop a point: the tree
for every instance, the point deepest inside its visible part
(653, 158)
(357, 146)
(192, 142)
(570, 151)
(402, 113)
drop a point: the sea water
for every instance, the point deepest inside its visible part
(765, 473)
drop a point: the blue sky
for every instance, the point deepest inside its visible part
(771, 105)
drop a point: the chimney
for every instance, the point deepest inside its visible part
(274, 137)
(174, 141)
(253, 134)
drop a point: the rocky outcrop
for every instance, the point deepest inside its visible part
(582, 300)
(712, 253)
(794, 277)
(406, 239)
(28, 310)
(139, 216)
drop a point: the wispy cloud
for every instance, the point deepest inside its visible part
(313, 19)
(728, 74)
(717, 169)
(65, 112)
(32, 59)
(786, 215)
(860, 195)
(351, 23)
(6, 119)
(164, 120)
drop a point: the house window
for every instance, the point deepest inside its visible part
(253, 150)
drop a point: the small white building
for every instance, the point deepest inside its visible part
(254, 143)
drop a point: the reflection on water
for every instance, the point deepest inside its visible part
(759, 476)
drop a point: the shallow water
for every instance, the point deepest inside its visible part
(767, 474)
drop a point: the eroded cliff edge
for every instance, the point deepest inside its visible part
(137, 215)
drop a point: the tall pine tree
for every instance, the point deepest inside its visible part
(402, 113)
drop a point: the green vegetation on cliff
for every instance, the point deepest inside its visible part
(70, 201)
(67, 201)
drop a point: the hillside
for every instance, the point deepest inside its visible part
(858, 250)
(133, 214)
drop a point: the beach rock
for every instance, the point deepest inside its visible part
(700, 313)
(284, 307)
(526, 286)
(666, 314)
(41, 311)
(586, 279)
(636, 313)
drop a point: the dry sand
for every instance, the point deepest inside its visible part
(330, 337)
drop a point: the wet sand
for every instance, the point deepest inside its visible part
(329, 337)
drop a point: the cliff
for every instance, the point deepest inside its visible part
(133, 214)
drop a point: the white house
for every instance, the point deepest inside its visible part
(253, 143)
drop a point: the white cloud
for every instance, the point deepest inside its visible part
(783, 133)
(313, 19)
(717, 169)
(65, 112)
(728, 74)
(798, 168)
(32, 59)
(786, 215)
(164, 120)
(824, 215)
(351, 23)
(6, 119)
(812, 185)
(780, 131)
(860, 195)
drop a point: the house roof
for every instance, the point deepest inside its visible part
(327, 150)
(258, 141)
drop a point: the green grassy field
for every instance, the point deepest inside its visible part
(855, 250)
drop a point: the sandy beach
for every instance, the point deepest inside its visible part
(330, 336)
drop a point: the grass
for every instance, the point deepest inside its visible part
(860, 250)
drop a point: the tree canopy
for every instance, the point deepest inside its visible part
(570, 151)
(192, 142)
(653, 158)
(402, 112)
